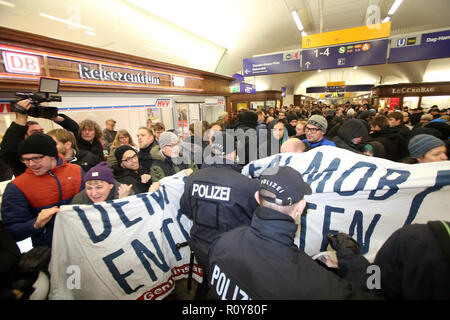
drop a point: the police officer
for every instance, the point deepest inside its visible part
(216, 198)
(261, 261)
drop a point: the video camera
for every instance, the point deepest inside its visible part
(46, 86)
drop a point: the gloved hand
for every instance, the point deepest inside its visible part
(35, 260)
(30, 264)
(341, 240)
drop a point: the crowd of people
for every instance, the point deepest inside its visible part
(82, 164)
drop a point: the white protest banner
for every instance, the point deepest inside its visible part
(366, 197)
(122, 249)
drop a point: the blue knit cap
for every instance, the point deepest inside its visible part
(420, 144)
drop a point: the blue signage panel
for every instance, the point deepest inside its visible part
(345, 55)
(247, 88)
(272, 64)
(425, 46)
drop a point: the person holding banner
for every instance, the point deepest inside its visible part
(167, 161)
(101, 186)
(129, 170)
(31, 201)
(427, 148)
(261, 261)
(217, 198)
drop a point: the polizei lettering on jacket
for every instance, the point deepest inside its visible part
(221, 284)
(99, 74)
(212, 192)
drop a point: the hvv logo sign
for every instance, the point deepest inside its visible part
(21, 63)
(162, 103)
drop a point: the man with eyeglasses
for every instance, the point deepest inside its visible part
(169, 159)
(315, 130)
(31, 201)
(129, 170)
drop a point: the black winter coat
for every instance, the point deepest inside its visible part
(395, 145)
(262, 262)
(127, 176)
(85, 159)
(14, 135)
(413, 265)
(95, 147)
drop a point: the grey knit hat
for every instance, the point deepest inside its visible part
(167, 138)
(420, 144)
(318, 121)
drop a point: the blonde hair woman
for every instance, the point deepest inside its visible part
(122, 138)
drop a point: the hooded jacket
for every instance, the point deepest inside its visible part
(349, 130)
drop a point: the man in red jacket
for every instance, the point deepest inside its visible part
(32, 199)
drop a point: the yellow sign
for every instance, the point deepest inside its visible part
(373, 31)
(338, 83)
(241, 105)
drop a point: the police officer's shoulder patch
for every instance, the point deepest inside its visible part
(210, 191)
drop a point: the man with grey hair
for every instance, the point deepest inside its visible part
(315, 130)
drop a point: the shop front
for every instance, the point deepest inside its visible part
(259, 100)
(100, 84)
(412, 95)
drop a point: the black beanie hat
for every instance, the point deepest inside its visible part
(39, 143)
(120, 151)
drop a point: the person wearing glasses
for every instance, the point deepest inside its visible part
(31, 201)
(315, 130)
(129, 170)
(169, 160)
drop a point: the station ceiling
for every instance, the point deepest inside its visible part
(216, 35)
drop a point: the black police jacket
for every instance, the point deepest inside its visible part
(217, 199)
(261, 261)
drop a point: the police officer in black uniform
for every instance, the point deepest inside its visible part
(261, 261)
(216, 198)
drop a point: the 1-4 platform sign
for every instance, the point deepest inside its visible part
(345, 55)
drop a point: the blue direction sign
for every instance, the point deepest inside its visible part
(272, 64)
(247, 88)
(345, 55)
(425, 46)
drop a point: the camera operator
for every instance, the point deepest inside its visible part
(20, 129)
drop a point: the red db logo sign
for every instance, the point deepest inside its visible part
(21, 63)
